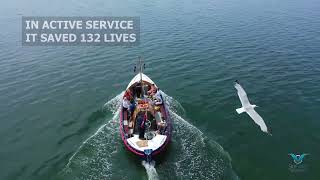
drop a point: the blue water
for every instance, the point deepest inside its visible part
(54, 124)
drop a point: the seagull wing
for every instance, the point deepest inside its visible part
(257, 119)
(242, 95)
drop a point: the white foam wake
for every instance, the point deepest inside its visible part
(196, 156)
(151, 170)
(83, 143)
(93, 158)
(192, 155)
(173, 104)
(114, 104)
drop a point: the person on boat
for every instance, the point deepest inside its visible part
(157, 98)
(161, 123)
(141, 119)
(128, 106)
(152, 90)
(126, 103)
(128, 95)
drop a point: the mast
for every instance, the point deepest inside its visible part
(141, 67)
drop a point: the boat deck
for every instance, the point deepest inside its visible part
(157, 141)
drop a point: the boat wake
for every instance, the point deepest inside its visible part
(190, 155)
(95, 156)
(151, 170)
(196, 156)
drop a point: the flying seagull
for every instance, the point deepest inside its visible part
(249, 108)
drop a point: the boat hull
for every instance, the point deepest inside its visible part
(162, 137)
(122, 117)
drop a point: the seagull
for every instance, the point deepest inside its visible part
(249, 108)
